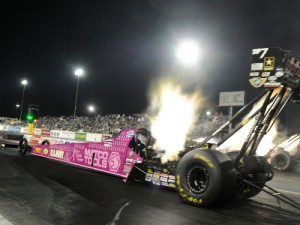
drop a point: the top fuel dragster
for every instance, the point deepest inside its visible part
(201, 176)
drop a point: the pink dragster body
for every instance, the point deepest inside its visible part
(111, 156)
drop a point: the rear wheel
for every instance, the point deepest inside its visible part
(205, 177)
(23, 146)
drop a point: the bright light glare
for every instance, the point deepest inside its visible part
(79, 72)
(208, 113)
(188, 52)
(91, 108)
(24, 82)
(17, 105)
(176, 115)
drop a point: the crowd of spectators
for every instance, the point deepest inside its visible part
(113, 123)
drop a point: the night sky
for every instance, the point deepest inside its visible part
(125, 45)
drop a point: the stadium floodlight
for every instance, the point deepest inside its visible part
(188, 52)
(17, 105)
(78, 72)
(91, 108)
(24, 83)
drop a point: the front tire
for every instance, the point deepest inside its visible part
(205, 177)
(23, 146)
(45, 142)
(282, 161)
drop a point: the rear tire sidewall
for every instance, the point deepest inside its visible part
(219, 172)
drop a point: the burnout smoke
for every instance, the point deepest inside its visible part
(175, 114)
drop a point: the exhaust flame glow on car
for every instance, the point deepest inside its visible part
(176, 113)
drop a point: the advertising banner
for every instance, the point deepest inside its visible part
(112, 156)
(37, 131)
(14, 129)
(55, 133)
(93, 137)
(24, 130)
(45, 132)
(80, 136)
(67, 134)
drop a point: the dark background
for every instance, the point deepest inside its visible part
(124, 46)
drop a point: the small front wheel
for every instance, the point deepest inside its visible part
(282, 161)
(23, 146)
(45, 142)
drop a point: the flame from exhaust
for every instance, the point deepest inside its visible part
(237, 140)
(291, 144)
(176, 114)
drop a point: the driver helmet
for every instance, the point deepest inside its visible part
(143, 136)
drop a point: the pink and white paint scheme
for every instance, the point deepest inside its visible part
(112, 156)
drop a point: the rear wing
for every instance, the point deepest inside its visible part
(273, 68)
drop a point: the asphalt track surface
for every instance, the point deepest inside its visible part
(39, 191)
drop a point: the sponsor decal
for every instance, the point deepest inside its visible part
(279, 73)
(165, 184)
(171, 181)
(150, 171)
(272, 78)
(164, 179)
(129, 160)
(269, 63)
(261, 51)
(257, 81)
(114, 161)
(272, 84)
(57, 153)
(172, 185)
(254, 74)
(172, 177)
(100, 157)
(131, 154)
(148, 177)
(257, 66)
(164, 175)
(130, 133)
(38, 150)
(265, 74)
(156, 175)
(108, 143)
(45, 151)
(127, 168)
(156, 182)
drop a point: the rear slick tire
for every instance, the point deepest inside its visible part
(205, 177)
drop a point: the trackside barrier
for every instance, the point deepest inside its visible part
(80, 136)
